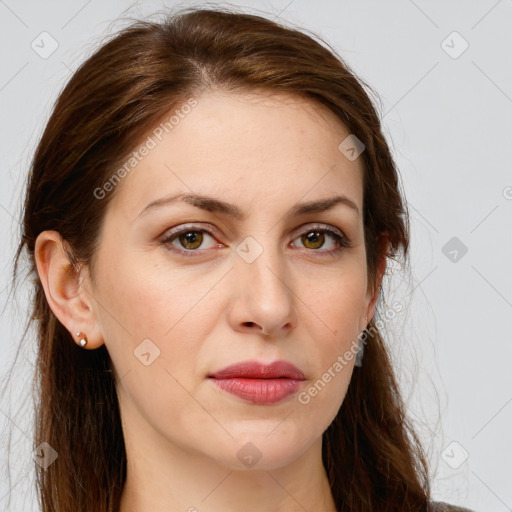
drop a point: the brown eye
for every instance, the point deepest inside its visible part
(313, 239)
(330, 241)
(191, 239)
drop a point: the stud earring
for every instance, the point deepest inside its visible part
(83, 338)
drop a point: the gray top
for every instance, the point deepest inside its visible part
(441, 506)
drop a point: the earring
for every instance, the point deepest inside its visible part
(83, 338)
(360, 348)
(359, 354)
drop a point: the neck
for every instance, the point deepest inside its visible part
(172, 479)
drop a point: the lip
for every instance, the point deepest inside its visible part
(259, 383)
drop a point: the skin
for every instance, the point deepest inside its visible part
(204, 312)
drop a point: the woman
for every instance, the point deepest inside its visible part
(209, 215)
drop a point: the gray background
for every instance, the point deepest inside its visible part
(447, 114)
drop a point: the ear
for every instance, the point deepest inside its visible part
(67, 288)
(373, 292)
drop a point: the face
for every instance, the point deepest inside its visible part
(185, 288)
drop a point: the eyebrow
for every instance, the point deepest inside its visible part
(212, 204)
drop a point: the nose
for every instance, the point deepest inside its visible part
(263, 299)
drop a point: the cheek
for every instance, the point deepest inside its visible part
(155, 321)
(336, 303)
(160, 311)
(335, 317)
(151, 300)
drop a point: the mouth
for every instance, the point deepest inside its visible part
(259, 383)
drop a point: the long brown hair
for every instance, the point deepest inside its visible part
(373, 458)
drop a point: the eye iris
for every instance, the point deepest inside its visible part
(191, 237)
(316, 238)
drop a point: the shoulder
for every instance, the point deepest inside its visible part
(441, 506)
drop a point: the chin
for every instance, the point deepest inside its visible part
(263, 451)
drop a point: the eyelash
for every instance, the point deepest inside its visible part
(342, 240)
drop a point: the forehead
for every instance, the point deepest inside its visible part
(243, 147)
